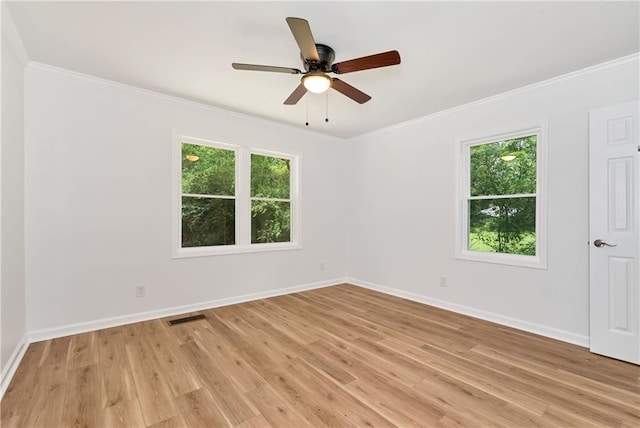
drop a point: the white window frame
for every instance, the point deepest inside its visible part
(539, 261)
(293, 193)
(243, 201)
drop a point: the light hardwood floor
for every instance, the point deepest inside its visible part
(340, 356)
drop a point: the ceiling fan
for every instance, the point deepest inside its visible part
(318, 61)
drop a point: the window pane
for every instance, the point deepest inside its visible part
(270, 177)
(503, 225)
(208, 170)
(504, 167)
(208, 221)
(270, 222)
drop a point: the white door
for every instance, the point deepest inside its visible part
(614, 278)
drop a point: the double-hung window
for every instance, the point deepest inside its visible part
(233, 199)
(502, 211)
(270, 199)
(208, 195)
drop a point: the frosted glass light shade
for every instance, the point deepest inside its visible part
(316, 83)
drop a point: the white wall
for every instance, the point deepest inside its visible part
(378, 209)
(98, 203)
(12, 266)
(402, 226)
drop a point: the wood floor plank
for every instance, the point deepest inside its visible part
(340, 356)
(257, 422)
(559, 417)
(82, 351)
(275, 409)
(235, 407)
(263, 362)
(173, 422)
(12, 422)
(45, 408)
(184, 333)
(467, 403)
(290, 328)
(223, 332)
(335, 396)
(326, 363)
(81, 402)
(600, 397)
(200, 410)
(56, 352)
(124, 414)
(452, 399)
(352, 359)
(245, 377)
(554, 353)
(549, 383)
(181, 377)
(513, 390)
(154, 393)
(392, 402)
(395, 362)
(18, 396)
(114, 370)
(299, 394)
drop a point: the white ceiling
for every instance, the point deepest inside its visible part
(452, 52)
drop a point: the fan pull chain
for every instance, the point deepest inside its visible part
(326, 114)
(307, 102)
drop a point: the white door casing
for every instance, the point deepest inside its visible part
(614, 213)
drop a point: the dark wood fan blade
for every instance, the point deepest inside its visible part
(255, 67)
(384, 59)
(296, 95)
(302, 33)
(348, 90)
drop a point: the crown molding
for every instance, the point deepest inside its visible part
(505, 95)
(66, 73)
(10, 31)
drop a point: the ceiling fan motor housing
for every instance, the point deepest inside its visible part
(326, 55)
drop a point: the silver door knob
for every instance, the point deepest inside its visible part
(600, 243)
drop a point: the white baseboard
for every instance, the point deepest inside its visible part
(542, 330)
(12, 365)
(52, 333)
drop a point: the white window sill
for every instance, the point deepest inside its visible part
(533, 262)
(223, 250)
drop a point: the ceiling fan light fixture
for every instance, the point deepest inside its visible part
(316, 83)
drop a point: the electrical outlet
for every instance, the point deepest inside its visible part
(443, 281)
(141, 290)
(321, 265)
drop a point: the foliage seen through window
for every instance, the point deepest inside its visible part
(502, 196)
(208, 196)
(270, 199)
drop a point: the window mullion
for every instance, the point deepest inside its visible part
(270, 199)
(513, 196)
(205, 196)
(243, 201)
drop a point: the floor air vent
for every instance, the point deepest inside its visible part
(186, 319)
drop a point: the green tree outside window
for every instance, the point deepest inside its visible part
(208, 196)
(270, 199)
(502, 196)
